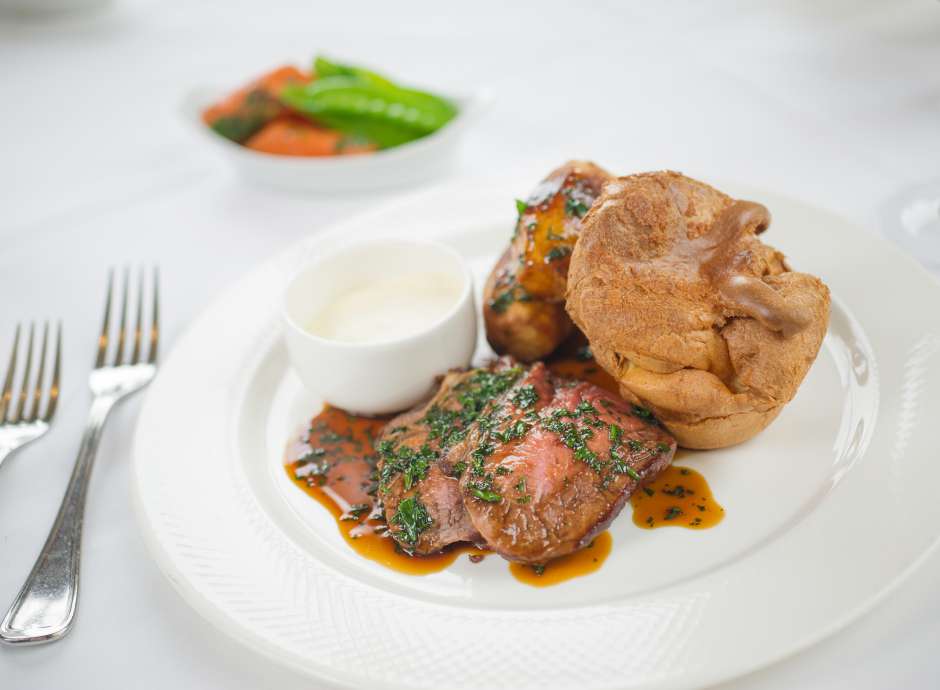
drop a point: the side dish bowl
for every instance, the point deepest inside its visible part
(401, 166)
(382, 375)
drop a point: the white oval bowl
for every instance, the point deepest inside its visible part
(400, 166)
(386, 375)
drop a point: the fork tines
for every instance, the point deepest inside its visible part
(137, 355)
(24, 407)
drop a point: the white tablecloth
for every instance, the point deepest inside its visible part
(834, 102)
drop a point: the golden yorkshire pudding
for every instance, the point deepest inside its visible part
(696, 318)
(524, 296)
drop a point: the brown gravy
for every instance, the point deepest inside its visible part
(679, 497)
(724, 264)
(584, 369)
(576, 564)
(346, 440)
(332, 464)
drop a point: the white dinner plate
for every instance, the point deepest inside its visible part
(827, 510)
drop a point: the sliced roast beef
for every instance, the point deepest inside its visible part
(423, 505)
(542, 482)
(531, 465)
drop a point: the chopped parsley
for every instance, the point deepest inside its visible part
(521, 206)
(575, 206)
(584, 407)
(515, 430)
(412, 465)
(501, 302)
(557, 253)
(485, 494)
(450, 426)
(483, 490)
(514, 293)
(614, 433)
(525, 397)
(673, 513)
(481, 452)
(412, 519)
(356, 511)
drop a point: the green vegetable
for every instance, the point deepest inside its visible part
(525, 397)
(412, 465)
(556, 253)
(575, 207)
(614, 433)
(500, 303)
(361, 103)
(356, 511)
(324, 67)
(487, 495)
(421, 99)
(673, 513)
(412, 518)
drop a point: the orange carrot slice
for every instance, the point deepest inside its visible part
(244, 112)
(294, 136)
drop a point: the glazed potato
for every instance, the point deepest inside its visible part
(528, 329)
(696, 318)
(523, 300)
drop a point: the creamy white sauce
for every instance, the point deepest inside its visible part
(388, 308)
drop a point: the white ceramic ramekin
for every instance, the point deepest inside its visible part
(386, 375)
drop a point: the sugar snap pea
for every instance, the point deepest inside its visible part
(324, 67)
(362, 103)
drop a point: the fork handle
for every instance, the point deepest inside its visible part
(44, 609)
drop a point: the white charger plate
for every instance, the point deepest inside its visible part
(827, 510)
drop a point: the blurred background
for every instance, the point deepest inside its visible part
(834, 102)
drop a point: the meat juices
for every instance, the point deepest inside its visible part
(531, 465)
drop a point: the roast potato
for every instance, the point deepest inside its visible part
(523, 299)
(696, 318)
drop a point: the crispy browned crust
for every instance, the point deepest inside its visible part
(713, 374)
(524, 296)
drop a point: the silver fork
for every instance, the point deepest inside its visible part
(45, 607)
(19, 426)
